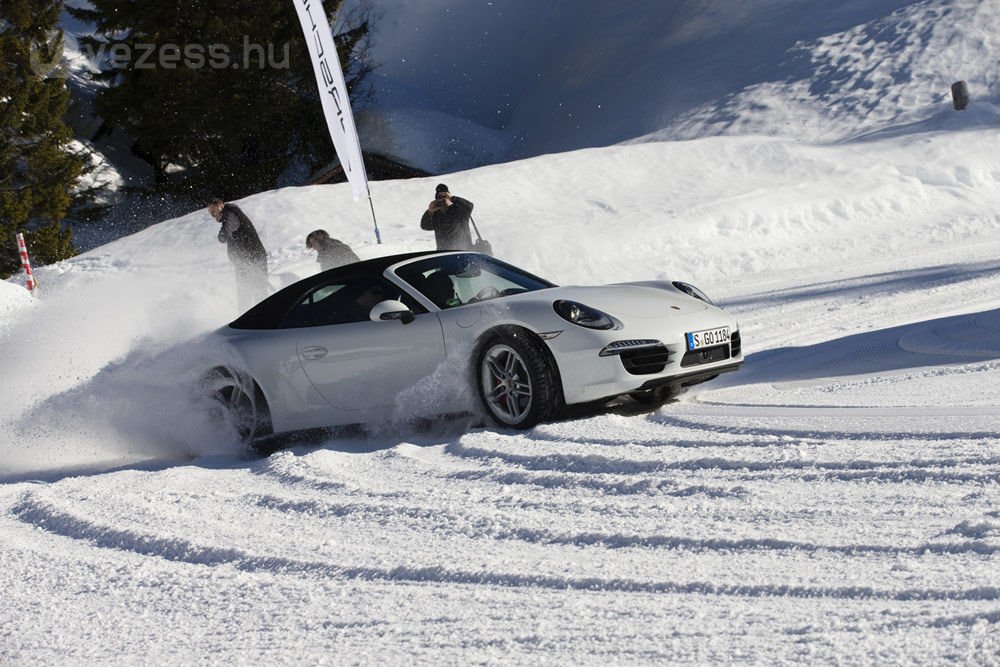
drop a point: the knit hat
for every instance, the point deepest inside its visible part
(441, 188)
(318, 235)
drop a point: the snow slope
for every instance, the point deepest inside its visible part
(836, 501)
(522, 79)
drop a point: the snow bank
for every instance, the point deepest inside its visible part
(13, 298)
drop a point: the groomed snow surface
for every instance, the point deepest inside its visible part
(836, 501)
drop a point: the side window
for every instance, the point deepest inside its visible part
(313, 309)
(439, 287)
(347, 300)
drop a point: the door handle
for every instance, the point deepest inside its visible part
(313, 353)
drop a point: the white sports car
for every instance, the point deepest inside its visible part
(353, 344)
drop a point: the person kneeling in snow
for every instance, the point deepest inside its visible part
(330, 253)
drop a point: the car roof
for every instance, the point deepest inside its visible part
(268, 312)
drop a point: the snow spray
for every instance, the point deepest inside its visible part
(25, 264)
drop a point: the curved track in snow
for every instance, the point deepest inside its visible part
(857, 531)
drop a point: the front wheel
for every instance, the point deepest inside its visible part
(517, 384)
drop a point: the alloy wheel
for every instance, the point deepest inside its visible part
(506, 384)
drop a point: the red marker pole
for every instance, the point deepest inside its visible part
(25, 264)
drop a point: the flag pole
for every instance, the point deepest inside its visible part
(378, 235)
(333, 96)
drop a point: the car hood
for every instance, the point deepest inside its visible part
(643, 301)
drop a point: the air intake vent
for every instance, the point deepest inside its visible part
(736, 344)
(646, 360)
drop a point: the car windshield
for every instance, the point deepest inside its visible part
(455, 280)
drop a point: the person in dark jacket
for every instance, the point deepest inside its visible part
(245, 251)
(330, 253)
(448, 217)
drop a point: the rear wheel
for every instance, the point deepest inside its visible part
(239, 403)
(517, 382)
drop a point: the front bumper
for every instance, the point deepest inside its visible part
(588, 375)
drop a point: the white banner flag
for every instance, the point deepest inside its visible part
(333, 92)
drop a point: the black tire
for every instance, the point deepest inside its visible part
(518, 382)
(239, 403)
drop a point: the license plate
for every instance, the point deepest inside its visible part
(707, 338)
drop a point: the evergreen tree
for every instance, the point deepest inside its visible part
(37, 172)
(219, 97)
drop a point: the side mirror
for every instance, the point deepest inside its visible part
(391, 310)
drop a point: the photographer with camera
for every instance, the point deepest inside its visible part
(448, 217)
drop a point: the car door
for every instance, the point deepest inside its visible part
(359, 364)
(365, 365)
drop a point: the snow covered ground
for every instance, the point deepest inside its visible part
(836, 501)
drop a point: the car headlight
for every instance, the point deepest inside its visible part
(691, 290)
(582, 315)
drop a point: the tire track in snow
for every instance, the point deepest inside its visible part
(292, 471)
(575, 470)
(434, 492)
(477, 527)
(990, 617)
(817, 435)
(44, 517)
(295, 472)
(653, 431)
(629, 476)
